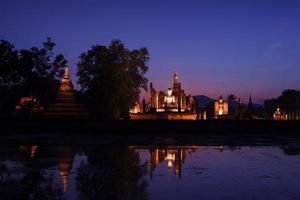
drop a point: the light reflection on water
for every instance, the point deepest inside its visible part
(149, 172)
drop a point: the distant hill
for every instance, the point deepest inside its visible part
(256, 105)
(203, 101)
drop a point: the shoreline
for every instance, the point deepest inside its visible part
(152, 127)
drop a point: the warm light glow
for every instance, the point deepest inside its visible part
(18, 107)
(136, 109)
(170, 99)
(170, 158)
(156, 156)
(204, 115)
(170, 164)
(33, 150)
(25, 100)
(169, 91)
(66, 73)
(221, 107)
(220, 111)
(277, 115)
(173, 100)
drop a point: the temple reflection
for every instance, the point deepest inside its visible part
(173, 156)
(66, 159)
(108, 171)
(31, 150)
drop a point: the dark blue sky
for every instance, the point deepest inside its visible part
(217, 47)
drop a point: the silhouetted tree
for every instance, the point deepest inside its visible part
(270, 106)
(231, 98)
(28, 72)
(112, 173)
(289, 102)
(8, 64)
(111, 78)
(41, 71)
(29, 180)
(9, 78)
(250, 109)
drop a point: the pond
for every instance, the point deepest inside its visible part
(146, 171)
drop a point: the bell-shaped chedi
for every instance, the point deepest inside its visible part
(66, 106)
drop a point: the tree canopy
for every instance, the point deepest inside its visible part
(8, 64)
(289, 102)
(231, 98)
(111, 78)
(35, 71)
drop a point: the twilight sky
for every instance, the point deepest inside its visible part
(217, 47)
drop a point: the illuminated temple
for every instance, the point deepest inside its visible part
(220, 108)
(170, 104)
(66, 105)
(174, 100)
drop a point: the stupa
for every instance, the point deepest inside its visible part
(66, 106)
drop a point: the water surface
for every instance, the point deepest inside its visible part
(164, 171)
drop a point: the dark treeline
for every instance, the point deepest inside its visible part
(110, 77)
(28, 72)
(289, 102)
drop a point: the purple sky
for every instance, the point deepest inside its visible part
(217, 47)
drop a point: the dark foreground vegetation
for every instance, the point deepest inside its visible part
(110, 77)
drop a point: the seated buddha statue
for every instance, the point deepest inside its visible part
(170, 99)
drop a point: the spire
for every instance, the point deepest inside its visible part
(250, 108)
(176, 78)
(250, 101)
(66, 84)
(67, 73)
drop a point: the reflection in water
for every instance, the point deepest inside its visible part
(119, 172)
(173, 155)
(31, 150)
(112, 173)
(66, 158)
(25, 175)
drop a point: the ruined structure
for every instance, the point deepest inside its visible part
(220, 108)
(66, 105)
(278, 115)
(172, 104)
(175, 100)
